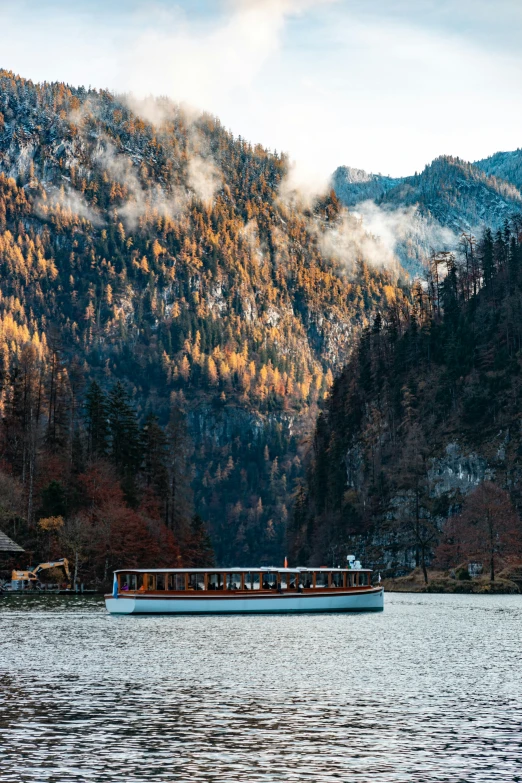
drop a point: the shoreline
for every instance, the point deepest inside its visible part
(442, 583)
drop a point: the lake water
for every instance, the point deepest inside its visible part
(428, 690)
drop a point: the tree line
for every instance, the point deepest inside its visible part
(81, 476)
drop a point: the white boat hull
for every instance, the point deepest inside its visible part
(371, 600)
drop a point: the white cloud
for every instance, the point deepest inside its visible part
(203, 68)
(204, 178)
(384, 238)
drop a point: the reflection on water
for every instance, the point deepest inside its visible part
(429, 690)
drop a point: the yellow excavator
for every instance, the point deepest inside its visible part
(32, 578)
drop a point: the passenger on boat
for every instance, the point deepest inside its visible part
(125, 587)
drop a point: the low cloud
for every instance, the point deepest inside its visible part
(384, 238)
(302, 185)
(405, 232)
(157, 111)
(200, 66)
(348, 242)
(204, 178)
(397, 225)
(69, 201)
(141, 201)
(150, 201)
(250, 233)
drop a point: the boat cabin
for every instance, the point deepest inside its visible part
(241, 580)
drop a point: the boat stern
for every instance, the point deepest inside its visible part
(120, 605)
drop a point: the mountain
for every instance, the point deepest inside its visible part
(448, 197)
(420, 438)
(165, 256)
(457, 195)
(355, 185)
(504, 165)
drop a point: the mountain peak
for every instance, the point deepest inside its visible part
(355, 185)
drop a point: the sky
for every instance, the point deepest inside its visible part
(382, 85)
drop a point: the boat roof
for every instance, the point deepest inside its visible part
(238, 569)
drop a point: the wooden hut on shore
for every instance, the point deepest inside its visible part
(8, 546)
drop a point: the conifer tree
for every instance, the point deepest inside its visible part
(97, 416)
(125, 451)
(201, 551)
(155, 456)
(486, 251)
(54, 500)
(180, 500)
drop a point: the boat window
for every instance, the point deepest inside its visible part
(215, 581)
(140, 581)
(233, 581)
(363, 579)
(283, 581)
(337, 579)
(151, 581)
(292, 581)
(321, 579)
(252, 581)
(269, 581)
(128, 582)
(160, 581)
(176, 582)
(196, 581)
(306, 579)
(350, 579)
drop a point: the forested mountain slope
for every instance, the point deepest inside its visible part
(355, 185)
(164, 256)
(458, 195)
(504, 165)
(426, 410)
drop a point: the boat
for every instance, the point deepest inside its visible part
(244, 591)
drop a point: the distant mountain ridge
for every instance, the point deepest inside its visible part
(449, 193)
(457, 194)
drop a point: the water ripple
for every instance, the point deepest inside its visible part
(427, 691)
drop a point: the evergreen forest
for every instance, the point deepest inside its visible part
(415, 460)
